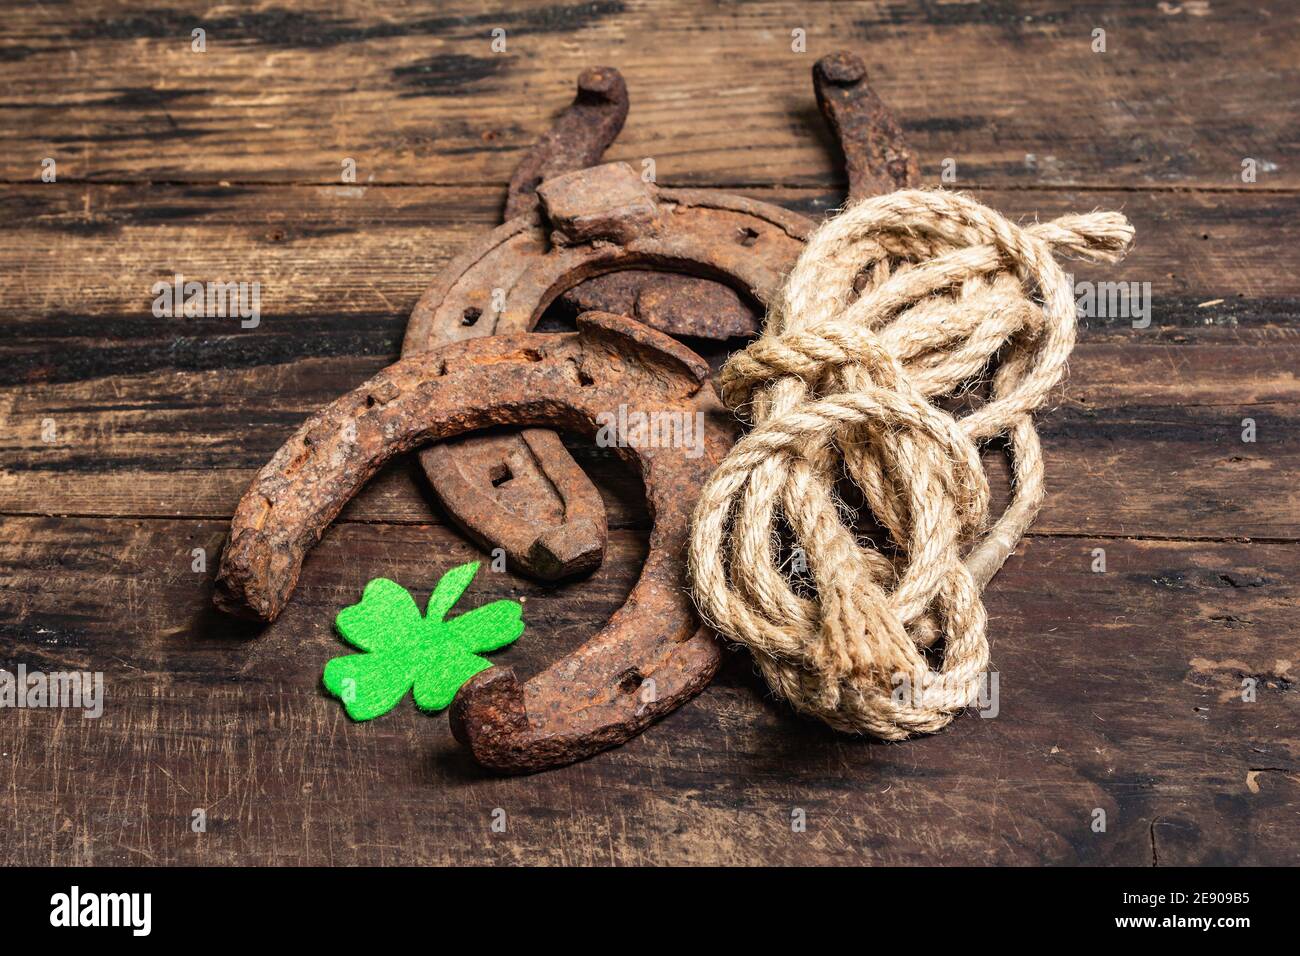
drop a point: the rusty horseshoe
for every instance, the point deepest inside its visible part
(456, 377)
(596, 697)
(524, 493)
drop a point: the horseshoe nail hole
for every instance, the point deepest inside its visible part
(471, 316)
(748, 236)
(579, 373)
(532, 355)
(500, 474)
(382, 394)
(630, 681)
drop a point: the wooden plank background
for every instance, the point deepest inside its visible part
(1120, 691)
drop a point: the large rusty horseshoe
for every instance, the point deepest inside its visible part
(652, 655)
(523, 492)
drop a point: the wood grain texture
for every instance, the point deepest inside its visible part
(1108, 684)
(1119, 691)
(80, 259)
(1013, 92)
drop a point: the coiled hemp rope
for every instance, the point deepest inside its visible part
(841, 384)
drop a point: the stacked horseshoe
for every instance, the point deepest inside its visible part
(637, 262)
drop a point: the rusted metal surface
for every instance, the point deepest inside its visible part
(875, 155)
(521, 494)
(577, 139)
(525, 495)
(596, 221)
(653, 654)
(557, 525)
(676, 304)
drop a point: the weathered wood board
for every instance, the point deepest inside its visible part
(1119, 691)
(1013, 92)
(126, 438)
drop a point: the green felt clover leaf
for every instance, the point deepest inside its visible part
(405, 650)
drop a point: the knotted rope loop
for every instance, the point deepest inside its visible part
(901, 300)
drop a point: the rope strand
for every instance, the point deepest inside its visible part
(841, 383)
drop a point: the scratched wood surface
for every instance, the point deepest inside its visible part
(414, 92)
(1120, 691)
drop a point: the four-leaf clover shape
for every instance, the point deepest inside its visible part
(405, 650)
